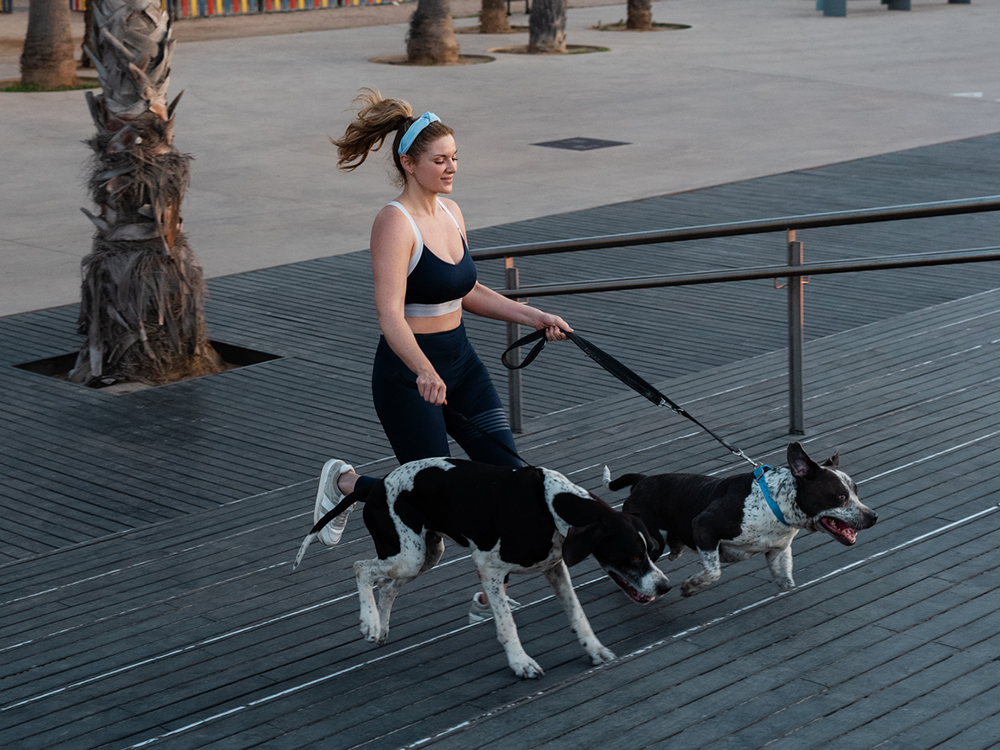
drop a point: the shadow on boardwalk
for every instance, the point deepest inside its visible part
(147, 589)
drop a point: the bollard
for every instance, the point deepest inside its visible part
(835, 7)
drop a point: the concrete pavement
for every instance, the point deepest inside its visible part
(754, 87)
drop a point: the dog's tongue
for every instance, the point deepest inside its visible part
(844, 533)
(632, 593)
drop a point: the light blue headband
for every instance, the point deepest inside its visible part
(414, 130)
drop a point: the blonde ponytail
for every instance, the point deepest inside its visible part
(376, 120)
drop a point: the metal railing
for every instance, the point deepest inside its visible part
(795, 271)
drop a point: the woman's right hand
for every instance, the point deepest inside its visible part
(432, 388)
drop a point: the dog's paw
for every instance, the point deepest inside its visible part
(691, 587)
(785, 584)
(527, 668)
(370, 631)
(602, 656)
(674, 555)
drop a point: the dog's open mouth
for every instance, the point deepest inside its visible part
(840, 530)
(634, 595)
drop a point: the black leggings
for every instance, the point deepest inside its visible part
(418, 429)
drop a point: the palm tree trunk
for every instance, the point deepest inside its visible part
(547, 27)
(143, 291)
(640, 15)
(493, 17)
(431, 38)
(47, 59)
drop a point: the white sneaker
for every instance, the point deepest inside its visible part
(327, 498)
(479, 612)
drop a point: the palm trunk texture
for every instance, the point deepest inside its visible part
(493, 17)
(431, 38)
(47, 58)
(143, 291)
(640, 15)
(547, 27)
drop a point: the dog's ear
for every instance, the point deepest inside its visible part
(799, 462)
(654, 542)
(833, 460)
(581, 541)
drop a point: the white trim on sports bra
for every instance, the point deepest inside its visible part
(417, 309)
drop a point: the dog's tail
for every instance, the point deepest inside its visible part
(313, 534)
(625, 480)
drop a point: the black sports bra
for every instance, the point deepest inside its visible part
(435, 286)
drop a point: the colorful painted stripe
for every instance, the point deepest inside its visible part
(199, 8)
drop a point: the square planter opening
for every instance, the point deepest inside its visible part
(59, 366)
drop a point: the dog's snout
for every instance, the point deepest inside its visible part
(663, 586)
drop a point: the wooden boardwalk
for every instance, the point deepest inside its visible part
(146, 592)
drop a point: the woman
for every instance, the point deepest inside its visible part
(424, 280)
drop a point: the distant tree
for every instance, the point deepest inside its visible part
(88, 36)
(493, 17)
(547, 27)
(47, 58)
(640, 15)
(143, 291)
(431, 38)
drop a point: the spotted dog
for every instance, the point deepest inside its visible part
(729, 519)
(515, 520)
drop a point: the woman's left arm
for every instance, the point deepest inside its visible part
(490, 304)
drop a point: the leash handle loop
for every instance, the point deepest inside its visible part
(508, 361)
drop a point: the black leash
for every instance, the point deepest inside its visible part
(465, 422)
(616, 368)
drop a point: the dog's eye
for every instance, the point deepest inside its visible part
(842, 497)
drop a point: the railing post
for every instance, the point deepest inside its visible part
(511, 281)
(796, 421)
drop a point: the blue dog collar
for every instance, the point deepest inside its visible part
(758, 474)
(414, 130)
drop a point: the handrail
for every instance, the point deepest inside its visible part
(794, 271)
(848, 265)
(734, 228)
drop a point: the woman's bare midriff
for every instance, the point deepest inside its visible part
(436, 324)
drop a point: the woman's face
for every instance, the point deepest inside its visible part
(436, 167)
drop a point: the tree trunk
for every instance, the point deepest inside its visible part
(47, 59)
(143, 290)
(640, 15)
(431, 38)
(88, 36)
(493, 17)
(547, 27)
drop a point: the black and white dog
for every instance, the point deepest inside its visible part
(730, 519)
(516, 520)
